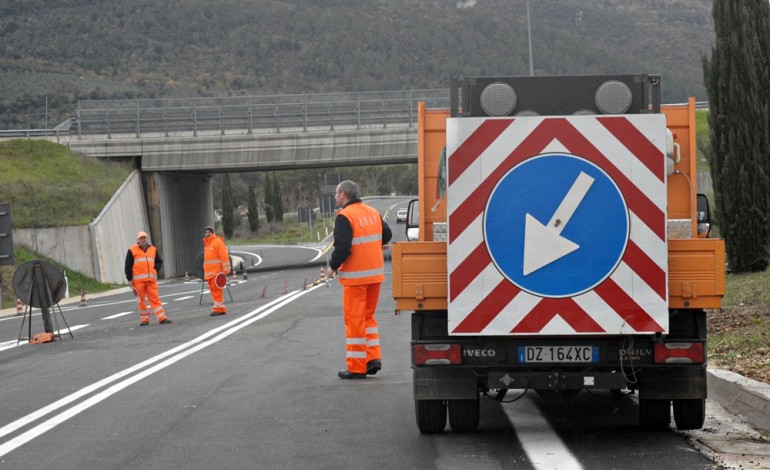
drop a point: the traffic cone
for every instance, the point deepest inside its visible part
(235, 278)
(245, 276)
(186, 276)
(323, 275)
(285, 287)
(19, 308)
(82, 298)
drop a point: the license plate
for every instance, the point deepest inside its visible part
(530, 354)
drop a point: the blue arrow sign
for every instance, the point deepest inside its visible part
(556, 225)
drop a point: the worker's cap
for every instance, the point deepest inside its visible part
(209, 228)
(141, 235)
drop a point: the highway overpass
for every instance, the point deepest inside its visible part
(178, 144)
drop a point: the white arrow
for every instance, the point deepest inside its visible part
(543, 244)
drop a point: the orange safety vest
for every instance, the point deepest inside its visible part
(215, 257)
(365, 263)
(144, 264)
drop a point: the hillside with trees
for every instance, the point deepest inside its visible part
(56, 53)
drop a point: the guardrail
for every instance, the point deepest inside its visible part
(242, 114)
(249, 114)
(32, 133)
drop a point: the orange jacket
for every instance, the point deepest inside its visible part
(144, 264)
(216, 259)
(365, 264)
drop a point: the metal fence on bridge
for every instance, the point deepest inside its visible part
(249, 114)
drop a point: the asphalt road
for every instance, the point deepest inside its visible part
(258, 388)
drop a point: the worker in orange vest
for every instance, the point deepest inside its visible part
(359, 234)
(142, 265)
(216, 260)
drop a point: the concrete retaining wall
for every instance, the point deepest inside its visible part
(97, 250)
(114, 230)
(70, 246)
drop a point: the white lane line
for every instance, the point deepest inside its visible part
(10, 344)
(24, 341)
(173, 356)
(184, 298)
(86, 390)
(121, 314)
(543, 447)
(71, 307)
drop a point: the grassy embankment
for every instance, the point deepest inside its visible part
(46, 185)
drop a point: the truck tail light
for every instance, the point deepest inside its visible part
(432, 354)
(679, 353)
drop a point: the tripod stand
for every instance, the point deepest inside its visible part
(38, 276)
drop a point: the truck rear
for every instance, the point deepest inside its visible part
(562, 247)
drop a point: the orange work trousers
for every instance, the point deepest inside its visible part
(217, 295)
(362, 336)
(149, 290)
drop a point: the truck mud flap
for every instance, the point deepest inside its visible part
(445, 384)
(671, 382)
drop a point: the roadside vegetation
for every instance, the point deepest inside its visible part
(46, 185)
(739, 333)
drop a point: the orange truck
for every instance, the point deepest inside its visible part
(562, 246)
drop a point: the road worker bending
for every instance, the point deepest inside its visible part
(216, 260)
(142, 265)
(359, 233)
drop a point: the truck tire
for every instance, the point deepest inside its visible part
(654, 414)
(689, 414)
(464, 415)
(431, 415)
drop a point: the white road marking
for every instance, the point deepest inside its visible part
(24, 342)
(543, 447)
(185, 298)
(171, 356)
(121, 314)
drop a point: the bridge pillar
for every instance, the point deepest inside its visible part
(179, 205)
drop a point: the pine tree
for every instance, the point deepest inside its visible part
(228, 219)
(277, 199)
(268, 188)
(737, 78)
(253, 210)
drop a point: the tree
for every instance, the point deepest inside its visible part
(268, 196)
(253, 210)
(228, 219)
(737, 79)
(277, 200)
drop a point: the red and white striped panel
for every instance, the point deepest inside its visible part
(632, 299)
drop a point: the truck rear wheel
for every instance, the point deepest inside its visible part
(654, 414)
(464, 415)
(689, 414)
(431, 415)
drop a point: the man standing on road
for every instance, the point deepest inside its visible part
(359, 234)
(142, 265)
(216, 260)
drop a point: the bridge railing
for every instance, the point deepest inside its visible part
(251, 114)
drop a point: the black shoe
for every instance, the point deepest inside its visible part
(216, 314)
(373, 366)
(346, 374)
(165, 321)
(144, 323)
